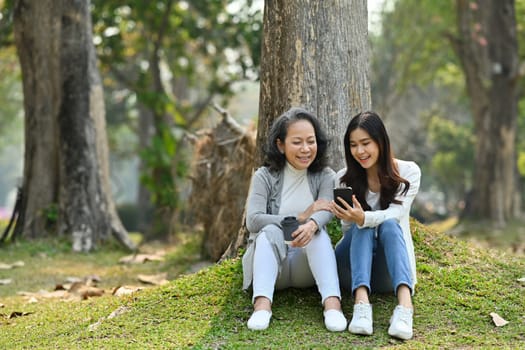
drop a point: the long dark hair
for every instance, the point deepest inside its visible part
(274, 159)
(355, 175)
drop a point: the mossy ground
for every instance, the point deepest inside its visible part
(459, 286)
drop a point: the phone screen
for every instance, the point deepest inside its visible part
(345, 193)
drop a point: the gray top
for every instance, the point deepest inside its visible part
(262, 209)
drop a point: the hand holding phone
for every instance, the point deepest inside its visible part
(345, 193)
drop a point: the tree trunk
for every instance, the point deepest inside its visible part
(77, 170)
(314, 54)
(488, 51)
(36, 35)
(144, 205)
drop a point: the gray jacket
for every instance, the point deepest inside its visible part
(262, 208)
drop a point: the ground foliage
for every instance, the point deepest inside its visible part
(459, 286)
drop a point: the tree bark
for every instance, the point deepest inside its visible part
(488, 51)
(315, 54)
(77, 170)
(36, 35)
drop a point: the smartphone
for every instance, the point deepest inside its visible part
(345, 193)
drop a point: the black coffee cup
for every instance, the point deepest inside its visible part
(289, 224)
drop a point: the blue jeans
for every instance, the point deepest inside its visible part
(377, 262)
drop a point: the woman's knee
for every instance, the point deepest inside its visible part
(269, 232)
(261, 238)
(390, 226)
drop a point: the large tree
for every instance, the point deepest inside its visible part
(314, 54)
(66, 179)
(457, 55)
(487, 47)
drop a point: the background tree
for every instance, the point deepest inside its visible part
(314, 54)
(164, 62)
(488, 50)
(65, 165)
(421, 67)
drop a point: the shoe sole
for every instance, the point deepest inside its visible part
(360, 331)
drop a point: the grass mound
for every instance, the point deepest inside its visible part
(459, 285)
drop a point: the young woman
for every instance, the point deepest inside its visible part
(293, 182)
(376, 253)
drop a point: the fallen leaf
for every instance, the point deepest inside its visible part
(89, 291)
(2, 305)
(45, 294)
(85, 291)
(15, 314)
(53, 294)
(521, 280)
(141, 258)
(498, 320)
(5, 281)
(18, 264)
(125, 290)
(121, 310)
(4, 266)
(159, 279)
(32, 300)
(71, 280)
(75, 286)
(62, 286)
(91, 280)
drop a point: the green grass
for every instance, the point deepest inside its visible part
(459, 286)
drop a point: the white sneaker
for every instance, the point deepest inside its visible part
(401, 323)
(334, 320)
(260, 320)
(361, 319)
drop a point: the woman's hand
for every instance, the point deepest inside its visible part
(304, 234)
(355, 214)
(320, 204)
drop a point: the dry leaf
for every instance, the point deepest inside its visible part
(71, 280)
(521, 280)
(2, 305)
(85, 291)
(53, 294)
(15, 314)
(498, 320)
(159, 279)
(125, 290)
(4, 266)
(32, 300)
(44, 294)
(5, 281)
(121, 310)
(141, 258)
(18, 264)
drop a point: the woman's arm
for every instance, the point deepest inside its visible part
(322, 214)
(257, 203)
(410, 172)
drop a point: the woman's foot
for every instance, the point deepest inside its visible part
(262, 313)
(334, 319)
(260, 320)
(401, 323)
(361, 319)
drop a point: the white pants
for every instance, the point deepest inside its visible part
(303, 267)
